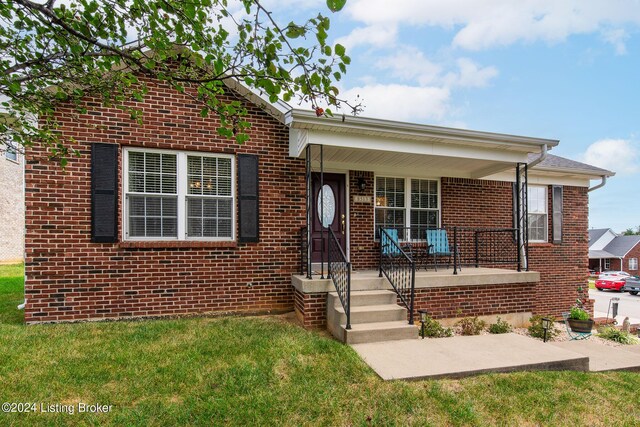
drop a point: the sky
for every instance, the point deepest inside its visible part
(559, 69)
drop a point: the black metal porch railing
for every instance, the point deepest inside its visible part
(399, 268)
(468, 246)
(304, 253)
(340, 272)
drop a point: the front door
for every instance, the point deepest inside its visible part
(334, 211)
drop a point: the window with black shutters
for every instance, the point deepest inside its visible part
(176, 195)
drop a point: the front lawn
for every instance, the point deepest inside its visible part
(11, 293)
(269, 371)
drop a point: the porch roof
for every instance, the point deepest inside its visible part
(390, 146)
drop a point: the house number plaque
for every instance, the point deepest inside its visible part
(361, 199)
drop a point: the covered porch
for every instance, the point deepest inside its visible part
(369, 177)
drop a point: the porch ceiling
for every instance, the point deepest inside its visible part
(411, 149)
(409, 164)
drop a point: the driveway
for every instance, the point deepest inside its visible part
(628, 306)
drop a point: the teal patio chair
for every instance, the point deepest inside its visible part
(438, 246)
(386, 241)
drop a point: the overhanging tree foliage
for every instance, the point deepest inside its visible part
(63, 51)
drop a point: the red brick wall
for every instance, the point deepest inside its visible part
(70, 278)
(563, 267)
(462, 301)
(482, 203)
(633, 253)
(311, 309)
(364, 252)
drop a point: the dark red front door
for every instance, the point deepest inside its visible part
(335, 213)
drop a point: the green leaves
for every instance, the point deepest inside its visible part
(336, 5)
(106, 53)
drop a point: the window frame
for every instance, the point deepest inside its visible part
(181, 194)
(635, 260)
(9, 148)
(407, 201)
(545, 213)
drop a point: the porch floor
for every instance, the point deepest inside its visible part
(468, 276)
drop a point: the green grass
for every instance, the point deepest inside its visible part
(267, 371)
(11, 293)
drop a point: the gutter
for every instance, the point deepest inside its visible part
(543, 155)
(595, 187)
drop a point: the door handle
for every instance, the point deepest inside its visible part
(343, 223)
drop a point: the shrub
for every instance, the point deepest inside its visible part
(536, 330)
(471, 326)
(433, 329)
(614, 334)
(500, 327)
(578, 314)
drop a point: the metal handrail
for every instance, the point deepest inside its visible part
(469, 246)
(304, 254)
(399, 269)
(340, 273)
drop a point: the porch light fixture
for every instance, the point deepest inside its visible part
(362, 184)
(423, 319)
(546, 324)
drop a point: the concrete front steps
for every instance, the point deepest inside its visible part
(375, 316)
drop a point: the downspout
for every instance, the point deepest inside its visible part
(543, 155)
(595, 187)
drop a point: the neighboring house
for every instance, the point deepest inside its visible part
(611, 251)
(11, 204)
(168, 218)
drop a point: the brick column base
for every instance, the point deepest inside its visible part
(311, 309)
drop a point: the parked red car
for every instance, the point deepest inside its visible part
(613, 282)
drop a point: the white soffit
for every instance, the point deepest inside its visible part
(377, 134)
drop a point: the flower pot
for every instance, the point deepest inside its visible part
(584, 326)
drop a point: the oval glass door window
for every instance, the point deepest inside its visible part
(328, 199)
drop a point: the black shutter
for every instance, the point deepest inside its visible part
(248, 210)
(104, 193)
(556, 191)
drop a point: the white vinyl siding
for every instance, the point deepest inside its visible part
(172, 195)
(537, 211)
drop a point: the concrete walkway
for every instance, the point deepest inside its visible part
(605, 358)
(458, 357)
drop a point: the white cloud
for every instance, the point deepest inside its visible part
(616, 38)
(402, 102)
(487, 23)
(373, 35)
(617, 155)
(409, 63)
(471, 74)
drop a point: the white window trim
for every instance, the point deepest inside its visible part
(11, 149)
(546, 212)
(181, 182)
(636, 263)
(407, 198)
(607, 264)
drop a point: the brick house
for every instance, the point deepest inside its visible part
(11, 204)
(611, 251)
(168, 218)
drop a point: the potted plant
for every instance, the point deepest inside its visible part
(579, 320)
